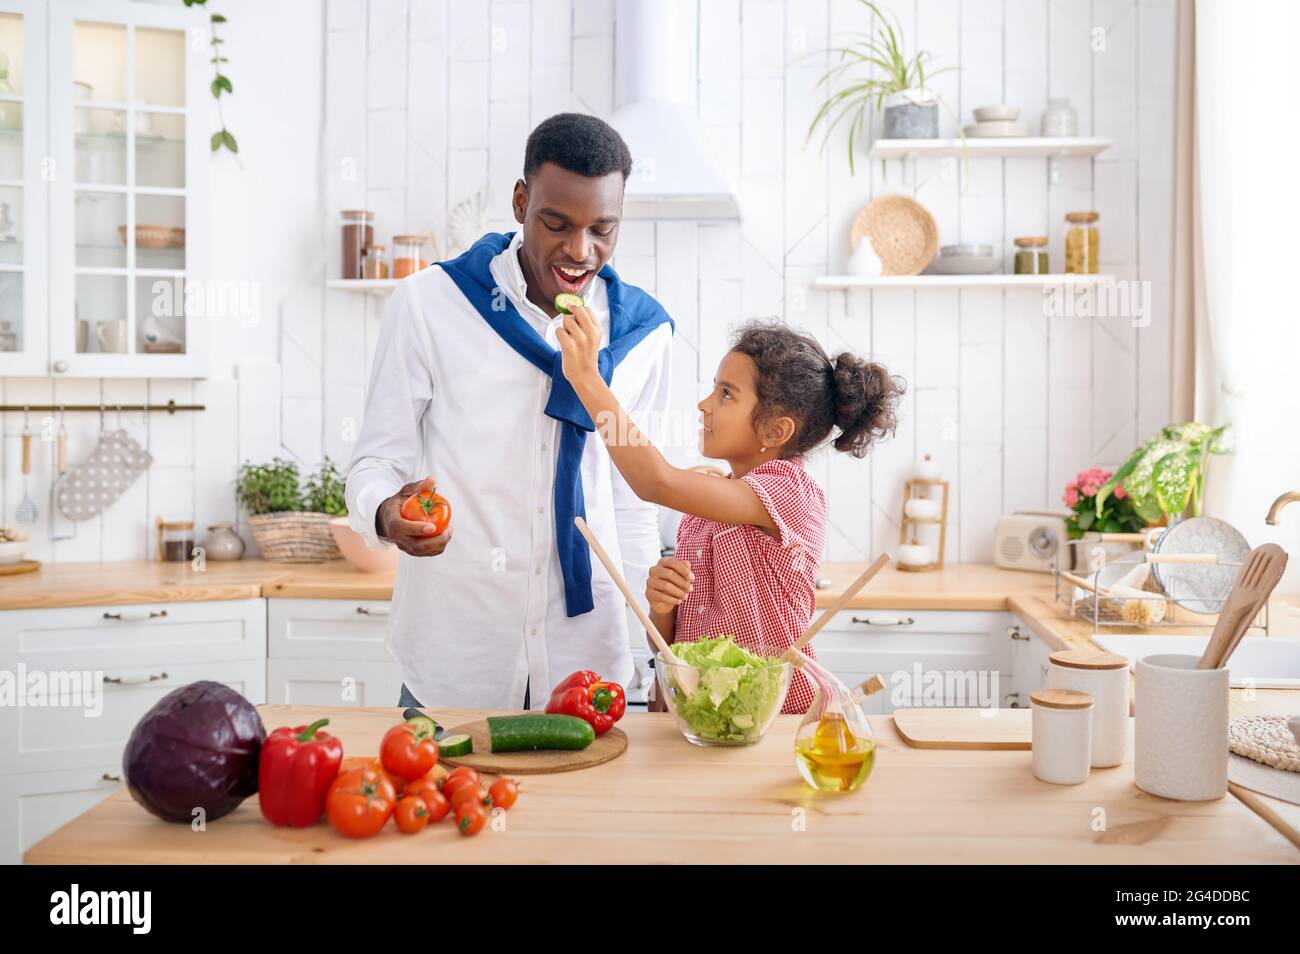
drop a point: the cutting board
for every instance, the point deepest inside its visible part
(608, 746)
(964, 728)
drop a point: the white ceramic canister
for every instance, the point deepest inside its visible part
(1104, 676)
(1062, 735)
(1180, 728)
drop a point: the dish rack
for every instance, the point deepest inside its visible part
(1085, 597)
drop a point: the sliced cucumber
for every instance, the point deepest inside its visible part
(456, 745)
(425, 728)
(525, 733)
(565, 302)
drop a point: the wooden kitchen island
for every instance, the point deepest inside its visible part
(667, 801)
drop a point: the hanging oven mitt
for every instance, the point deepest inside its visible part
(90, 488)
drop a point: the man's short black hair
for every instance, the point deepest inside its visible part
(579, 143)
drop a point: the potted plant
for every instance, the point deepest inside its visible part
(899, 87)
(1166, 476)
(289, 525)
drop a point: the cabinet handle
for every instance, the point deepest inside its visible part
(373, 610)
(135, 616)
(60, 366)
(106, 777)
(1014, 633)
(884, 620)
(139, 679)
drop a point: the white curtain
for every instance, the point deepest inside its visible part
(1248, 348)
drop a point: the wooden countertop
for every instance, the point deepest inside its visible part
(667, 801)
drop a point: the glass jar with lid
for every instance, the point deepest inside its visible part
(408, 254)
(1082, 243)
(373, 264)
(175, 540)
(1031, 255)
(358, 232)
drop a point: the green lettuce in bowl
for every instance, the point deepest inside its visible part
(739, 693)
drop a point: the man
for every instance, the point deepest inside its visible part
(467, 387)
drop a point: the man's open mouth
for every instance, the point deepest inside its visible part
(572, 280)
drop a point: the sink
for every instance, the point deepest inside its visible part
(1265, 662)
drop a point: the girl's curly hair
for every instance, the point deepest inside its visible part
(797, 379)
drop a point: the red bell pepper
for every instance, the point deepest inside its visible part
(586, 696)
(295, 771)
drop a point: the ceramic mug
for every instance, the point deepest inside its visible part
(1180, 728)
(112, 336)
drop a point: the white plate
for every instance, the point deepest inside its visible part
(1002, 129)
(988, 114)
(1201, 587)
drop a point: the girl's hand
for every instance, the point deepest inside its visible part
(579, 338)
(668, 583)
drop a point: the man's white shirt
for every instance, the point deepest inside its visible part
(449, 398)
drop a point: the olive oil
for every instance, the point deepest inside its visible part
(833, 759)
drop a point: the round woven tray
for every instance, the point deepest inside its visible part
(1265, 739)
(902, 232)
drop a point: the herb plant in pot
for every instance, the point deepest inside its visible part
(290, 525)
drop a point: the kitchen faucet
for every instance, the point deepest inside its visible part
(1289, 497)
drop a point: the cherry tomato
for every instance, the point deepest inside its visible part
(428, 507)
(359, 802)
(411, 815)
(371, 761)
(405, 755)
(504, 792)
(427, 789)
(470, 818)
(470, 793)
(460, 777)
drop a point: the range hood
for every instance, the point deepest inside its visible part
(656, 43)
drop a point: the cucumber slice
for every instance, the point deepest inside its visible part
(526, 733)
(565, 302)
(424, 727)
(456, 745)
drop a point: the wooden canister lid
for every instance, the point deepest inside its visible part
(1061, 698)
(1030, 241)
(1080, 218)
(1083, 659)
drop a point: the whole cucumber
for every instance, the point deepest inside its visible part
(524, 733)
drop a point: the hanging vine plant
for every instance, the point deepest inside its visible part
(223, 138)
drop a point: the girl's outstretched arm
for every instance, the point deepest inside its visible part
(646, 470)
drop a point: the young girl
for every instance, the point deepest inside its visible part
(748, 546)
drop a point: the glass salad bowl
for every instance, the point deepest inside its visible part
(737, 695)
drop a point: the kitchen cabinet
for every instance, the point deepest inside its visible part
(34, 804)
(330, 652)
(103, 163)
(962, 656)
(1030, 659)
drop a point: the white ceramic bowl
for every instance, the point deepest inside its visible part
(355, 551)
(11, 553)
(989, 114)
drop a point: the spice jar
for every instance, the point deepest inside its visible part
(357, 234)
(1104, 676)
(407, 254)
(1062, 735)
(373, 264)
(175, 540)
(1082, 243)
(1031, 255)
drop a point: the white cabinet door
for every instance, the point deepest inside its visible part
(34, 804)
(330, 652)
(327, 682)
(1030, 661)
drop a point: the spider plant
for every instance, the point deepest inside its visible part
(897, 73)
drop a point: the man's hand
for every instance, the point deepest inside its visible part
(668, 583)
(410, 536)
(579, 338)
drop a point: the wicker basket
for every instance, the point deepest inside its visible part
(294, 536)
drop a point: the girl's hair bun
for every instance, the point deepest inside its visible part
(866, 403)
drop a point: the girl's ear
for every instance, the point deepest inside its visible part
(778, 432)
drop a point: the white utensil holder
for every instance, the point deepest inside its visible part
(1181, 728)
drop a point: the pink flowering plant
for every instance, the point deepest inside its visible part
(1116, 515)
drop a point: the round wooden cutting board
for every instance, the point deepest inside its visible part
(608, 746)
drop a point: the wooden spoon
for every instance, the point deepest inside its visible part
(687, 676)
(1251, 590)
(1274, 565)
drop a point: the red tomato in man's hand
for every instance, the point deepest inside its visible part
(406, 755)
(428, 507)
(359, 802)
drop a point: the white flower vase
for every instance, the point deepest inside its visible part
(864, 262)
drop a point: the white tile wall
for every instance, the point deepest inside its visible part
(429, 101)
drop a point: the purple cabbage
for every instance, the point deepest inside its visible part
(196, 748)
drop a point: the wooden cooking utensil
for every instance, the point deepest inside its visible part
(688, 677)
(839, 604)
(1254, 584)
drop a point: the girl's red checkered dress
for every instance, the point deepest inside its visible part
(757, 588)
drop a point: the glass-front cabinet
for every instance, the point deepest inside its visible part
(24, 282)
(124, 170)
